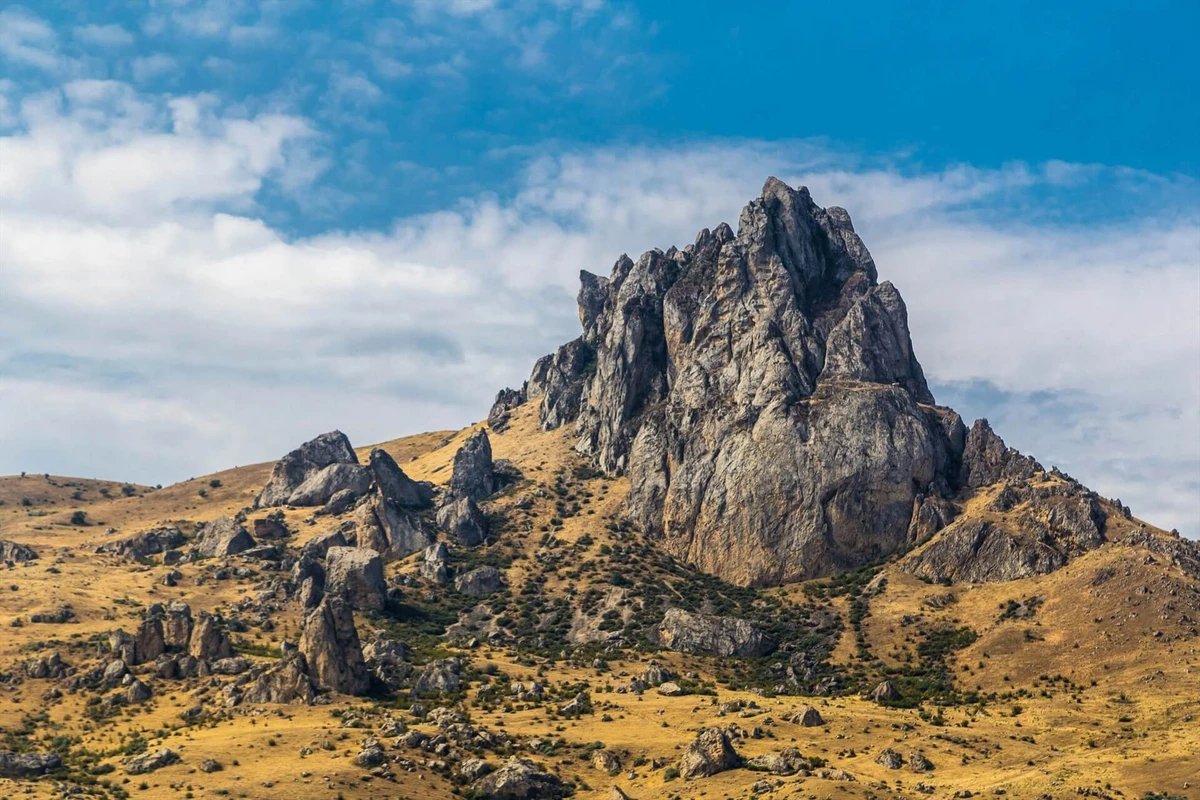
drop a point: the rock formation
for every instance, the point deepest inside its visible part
(396, 487)
(223, 536)
(761, 392)
(144, 544)
(463, 520)
(356, 575)
(302, 463)
(715, 636)
(16, 553)
(473, 476)
(331, 649)
(320, 487)
(711, 752)
(479, 582)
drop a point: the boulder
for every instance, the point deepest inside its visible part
(16, 553)
(473, 476)
(396, 487)
(286, 682)
(144, 544)
(177, 625)
(463, 520)
(319, 545)
(28, 765)
(149, 762)
(272, 526)
(890, 759)
(299, 465)
(711, 752)
(438, 677)
(480, 582)
(885, 692)
(356, 575)
(506, 401)
(223, 536)
(786, 762)
(320, 486)
(390, 529)
(519, 779)
(433, 564)
(332, 650)
(208, 641)
(703, 634)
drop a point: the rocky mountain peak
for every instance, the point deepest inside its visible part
(761, 392)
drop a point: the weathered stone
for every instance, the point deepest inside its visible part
(137, 692)
(396, 487)
(319, 545)
(356, 575)
(149, 762)
(986, 459)
(319, 487)
(273, 526)
(438, 677)
(506, 400)
(519, 779)
(297, 466)
(472, 477)
(28, 765)
(223, 536)
(702, 634)
(480, 582)
(711, 752)
(15, 552)
(463, 520)
(786, 762)
(177, 625)
(389, 529)
(433, 563)
(890, 758)
(332, 650)
(885, 692)
(286, 682)
(208, 641)
(144, 544)
(761, 393)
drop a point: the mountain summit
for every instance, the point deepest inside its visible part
(761, 393)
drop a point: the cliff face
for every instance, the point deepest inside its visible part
(760, 391)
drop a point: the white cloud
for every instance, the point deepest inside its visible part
(110, 35)
(146, 68)
(26, 39)
(153, 326)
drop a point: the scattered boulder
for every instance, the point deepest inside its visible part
(371, 755)
(519, 779)
(223, 536)
(28, 765)
(299, 465)
(890, 758)
(885, 692)
(16, 553)
(463, 520)
(319, 545)
(606, 761)
(395, 486)
(711, 752)
(57, 616)
(177, 625)
(479, 582)
(209, 766)
(807, 717)
(433, 564)
(332, 650)
(786, 762)
(670, 689)
(702, 634)
(438, 677)
(273, 526)
(356, 575)
(319, 487)
(286, 682)
(149, 762)
(917, 762)
(390, 529)
(473, 476)
(208, 641)
(137, 692)
(144, 544)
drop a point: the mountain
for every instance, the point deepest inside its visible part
(724, 543)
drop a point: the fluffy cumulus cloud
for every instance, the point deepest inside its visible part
(157, 322)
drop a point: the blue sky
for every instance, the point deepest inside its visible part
(377, 210)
